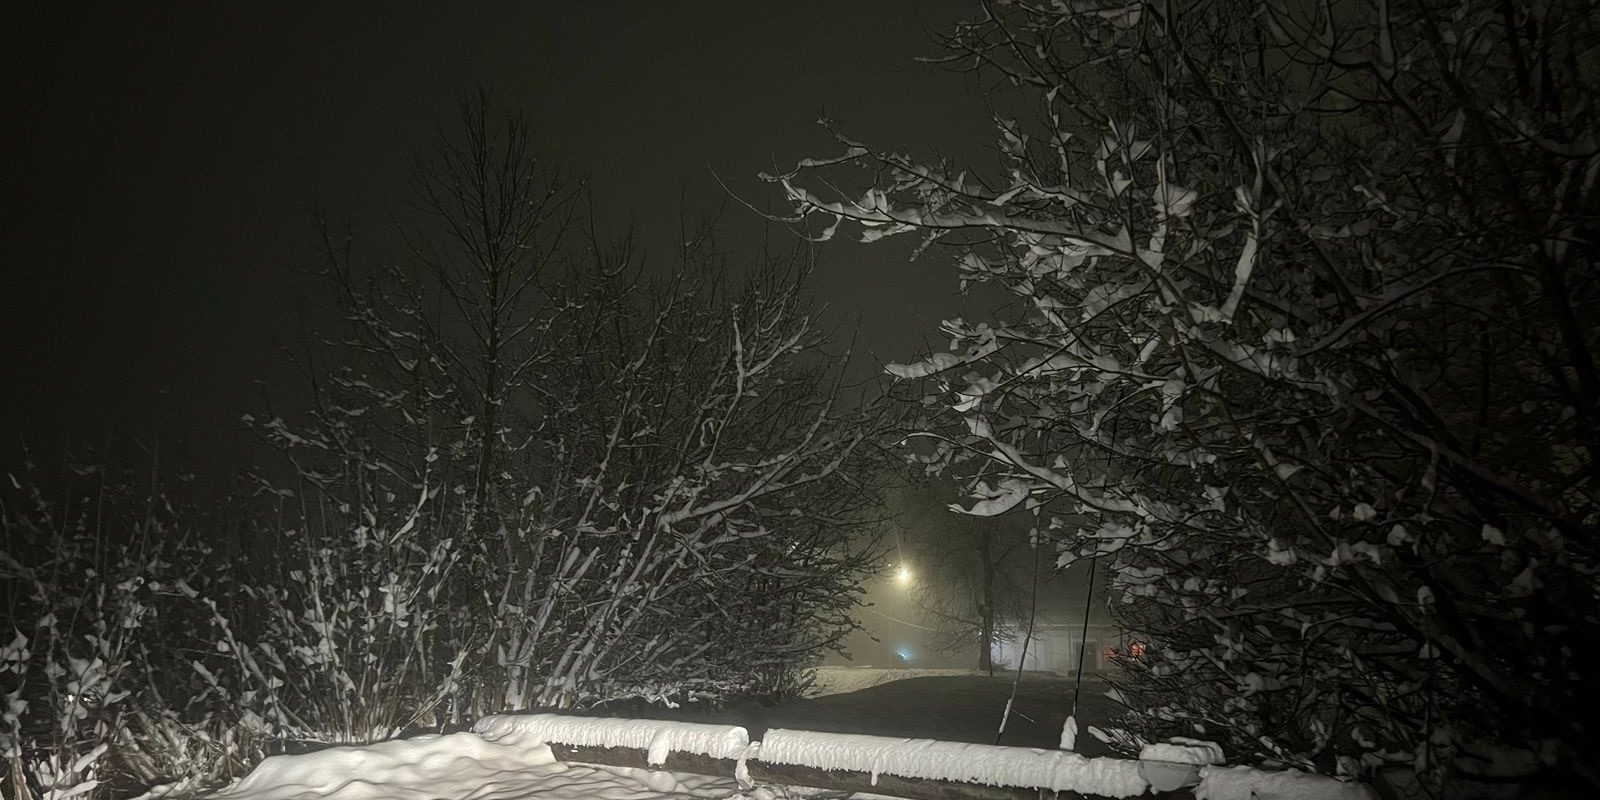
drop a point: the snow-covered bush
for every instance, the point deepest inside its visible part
(706, 547)
(1303, 350)
(644, 482)
(342, 637)
(97, 604)
(135, 655)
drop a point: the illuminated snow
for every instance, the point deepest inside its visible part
(840, 680)
(508, 766)
(657, 738)
(1183, 751)
(508, 758)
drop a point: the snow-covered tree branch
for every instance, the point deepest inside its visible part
(1305, 351)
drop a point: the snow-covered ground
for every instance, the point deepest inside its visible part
(841, 680)
(954, 706)
(507, 758)
(511, 766)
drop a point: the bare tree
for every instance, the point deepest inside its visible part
(972, 576)
(495, 223)
(707, 478)
(645, 476)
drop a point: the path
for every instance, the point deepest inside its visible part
(963, 708)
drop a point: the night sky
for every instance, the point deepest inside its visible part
(164, 166)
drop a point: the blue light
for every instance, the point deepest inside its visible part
(904, 652)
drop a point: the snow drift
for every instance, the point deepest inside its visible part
(658, 738)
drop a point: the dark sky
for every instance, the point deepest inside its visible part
(162, 166)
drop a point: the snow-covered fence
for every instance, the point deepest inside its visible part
(659, 739)
(920, 769)
(950, 769)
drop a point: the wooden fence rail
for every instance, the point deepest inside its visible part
(760, 772)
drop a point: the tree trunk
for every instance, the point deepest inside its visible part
(986, 603)
(484, 472)
(488, 410)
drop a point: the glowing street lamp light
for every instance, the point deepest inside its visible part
(903, 577)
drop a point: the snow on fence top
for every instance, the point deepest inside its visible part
(954, 761)
(658, 738)
(1183, 751)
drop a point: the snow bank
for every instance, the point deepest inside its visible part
(1183, 751)
(658, 738)
(954, 761)
(356, 773)
(508, 765)
(1245, 783)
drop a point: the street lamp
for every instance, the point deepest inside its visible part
(903, 577)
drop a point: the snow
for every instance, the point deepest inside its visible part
(1069, 733)
(954, 761)
(843, 680)
(508, 758)
(658, 738)
(1183, 751)
(995, 501)
(938, 362)
(1245, 783)
(510, 765)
